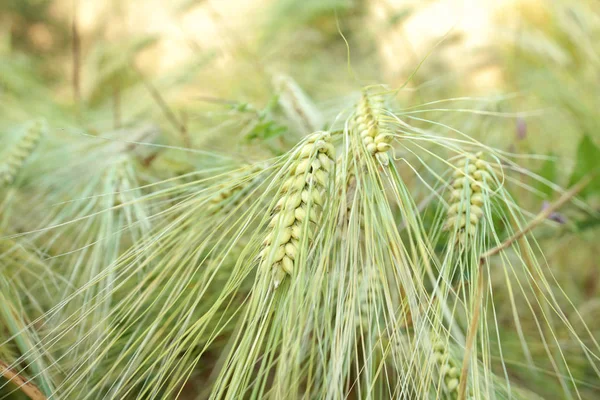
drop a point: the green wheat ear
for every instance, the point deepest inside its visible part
(469, 194)
(20, 152)
(448, 369)
(228, 195)
(370, 126)
(301, 203)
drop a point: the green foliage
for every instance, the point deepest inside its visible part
(263, 127)
(587, 165)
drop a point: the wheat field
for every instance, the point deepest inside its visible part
(285, 199)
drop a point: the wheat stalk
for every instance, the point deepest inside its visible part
(24, 385)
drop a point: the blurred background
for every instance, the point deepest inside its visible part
(94, 56)
(165, 35)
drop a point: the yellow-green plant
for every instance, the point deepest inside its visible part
(364, 246)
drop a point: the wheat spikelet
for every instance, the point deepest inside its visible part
(226, 191)
(19, 153)
(469, 194)
(448, 369)
(302, 201)
(373, 133)
(347, 185)
(369, 292)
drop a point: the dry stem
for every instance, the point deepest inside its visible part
(541, 217)
(24, 385)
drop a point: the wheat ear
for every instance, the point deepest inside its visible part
(369, 124)
(301, 201)
(449, 370)
(229, 195)
(19, 153)
(471, 179)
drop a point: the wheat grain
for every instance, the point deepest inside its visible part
(301, 202)
(347, 185)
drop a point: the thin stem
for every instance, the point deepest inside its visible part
(541, 217)
(160, 101)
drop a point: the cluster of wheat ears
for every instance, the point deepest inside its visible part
(383, 257)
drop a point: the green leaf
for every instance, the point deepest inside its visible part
(588, 162)
(591, 222)
(265, 129)
(272, 104)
